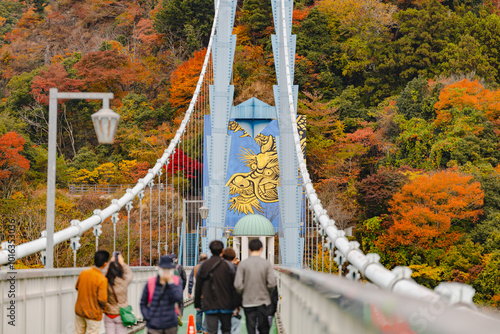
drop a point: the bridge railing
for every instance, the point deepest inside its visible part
(44, 299)
(105, 189)
(312, 302)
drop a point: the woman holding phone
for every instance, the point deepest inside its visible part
(119, 276)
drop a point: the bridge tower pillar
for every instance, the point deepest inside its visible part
(289, 191)
(218, 142)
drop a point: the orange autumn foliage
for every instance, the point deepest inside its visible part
(425, 209)
(54, 77)
(243, 33)
(11, 162)
(184, 80)
(147, 35)
(299, 15)
(107, 71)
(468, 94)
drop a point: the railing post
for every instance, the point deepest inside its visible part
(129, 207)
(114, 220)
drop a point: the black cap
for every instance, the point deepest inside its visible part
(166, 262)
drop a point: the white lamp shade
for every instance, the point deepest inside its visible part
(204, 212)
(105, 124)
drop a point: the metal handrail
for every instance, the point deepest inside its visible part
(78, 189)
(325, 295)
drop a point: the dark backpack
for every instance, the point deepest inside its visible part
(208, 276)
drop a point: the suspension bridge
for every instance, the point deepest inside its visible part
(196, 170)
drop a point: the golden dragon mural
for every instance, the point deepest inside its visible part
(260, 184)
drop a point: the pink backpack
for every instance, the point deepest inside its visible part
(151, 290)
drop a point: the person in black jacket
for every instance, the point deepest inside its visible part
(215, 282)
(160, 313)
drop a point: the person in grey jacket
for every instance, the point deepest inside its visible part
(119, 276)
(255, 280)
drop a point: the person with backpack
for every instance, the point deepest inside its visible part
(159, 297)
(255, 280)
(215, 282)
(119, 276)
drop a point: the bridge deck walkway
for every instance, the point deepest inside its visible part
(191, 310)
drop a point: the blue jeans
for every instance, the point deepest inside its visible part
(201, 324)
(235, 325)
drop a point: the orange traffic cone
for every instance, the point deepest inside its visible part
(191, 326)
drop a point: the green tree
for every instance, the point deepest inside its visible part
(186, 20)
(486, 284)
(419, 37)
(485, 28)
(257, 15)
(317, 65)
(423, 35)
(10, 12)
(85, 159)
(417, 99)
(39, 5)
(466, 56)
(487, 233)
(350, 105)
(137, 111)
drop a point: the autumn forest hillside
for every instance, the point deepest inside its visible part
(402, 99)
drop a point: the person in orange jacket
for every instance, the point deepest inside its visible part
(92, 287)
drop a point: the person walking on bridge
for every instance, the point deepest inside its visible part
(92, 287)
(158, 303)
(119, 276)
(230, 256)
(179, 271)
(255, 280)
(201, 325)
(215, 282)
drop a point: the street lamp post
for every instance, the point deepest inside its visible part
(227, 235)
(203, 212)
(105, 123)
(204, 215)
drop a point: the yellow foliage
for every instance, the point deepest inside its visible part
(21, 265)
(412, 175)
(496, 300)
(57, 59)
(243, 33)
(106, 173)
(17, 195)
(64, 207)
(427, 272)
(2, 21)
(125, 169)
(84, 176)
